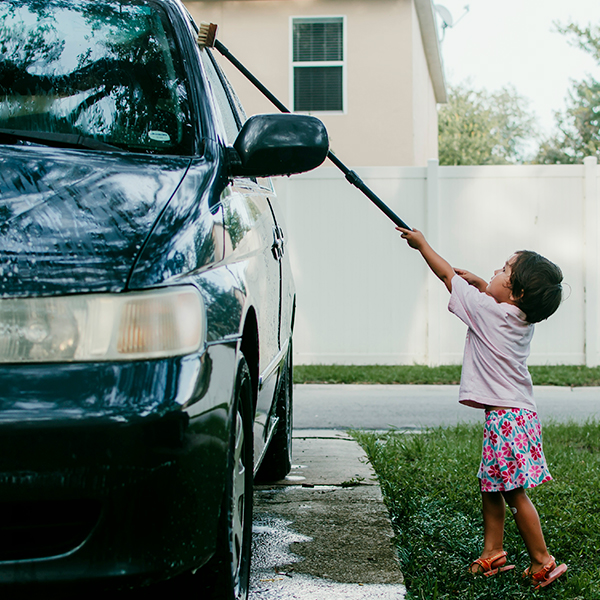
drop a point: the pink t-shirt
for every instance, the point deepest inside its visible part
(494, 370)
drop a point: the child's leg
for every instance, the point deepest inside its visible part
(493, 523)
(528, 523)
(493, 528)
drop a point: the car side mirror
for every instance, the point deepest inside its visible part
(280, 145)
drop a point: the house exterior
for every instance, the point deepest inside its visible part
(370, 69)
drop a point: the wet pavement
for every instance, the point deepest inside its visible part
(324, 531)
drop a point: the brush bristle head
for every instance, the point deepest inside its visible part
(207, 35)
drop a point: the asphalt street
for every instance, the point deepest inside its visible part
(419, 406)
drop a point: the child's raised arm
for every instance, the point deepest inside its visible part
(440, 266)
(471, 279)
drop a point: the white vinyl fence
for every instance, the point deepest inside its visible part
(365, 297)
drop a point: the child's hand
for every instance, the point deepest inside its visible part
(414, 238)
(466, 275)
(472, 279)
(436, 263)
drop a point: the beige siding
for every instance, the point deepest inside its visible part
(390, 117)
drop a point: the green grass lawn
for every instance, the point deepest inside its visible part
(430, 487)
(569, 375)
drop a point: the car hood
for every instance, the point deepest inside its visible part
(73, 221)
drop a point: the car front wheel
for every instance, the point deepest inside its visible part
(230, 567)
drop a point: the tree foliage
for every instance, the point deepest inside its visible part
(577, 132)
(484, 128)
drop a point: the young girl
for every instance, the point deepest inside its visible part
(500, 317)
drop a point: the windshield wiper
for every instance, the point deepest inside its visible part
(60, 140)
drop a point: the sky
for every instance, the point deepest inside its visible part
(500, 42)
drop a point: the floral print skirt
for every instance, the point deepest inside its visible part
(512, 454)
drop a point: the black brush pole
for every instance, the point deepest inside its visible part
(242, 69)
(351, 176)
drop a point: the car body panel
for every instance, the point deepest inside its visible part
(188, 235)
(114, 472)
(75, 221)
(248, 223)
(122, 470)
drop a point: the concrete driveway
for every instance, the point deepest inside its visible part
(324, 532)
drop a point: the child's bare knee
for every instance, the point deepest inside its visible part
(512, 498)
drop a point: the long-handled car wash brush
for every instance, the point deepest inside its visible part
(207, 38)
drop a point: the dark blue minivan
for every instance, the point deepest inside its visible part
(146, 299)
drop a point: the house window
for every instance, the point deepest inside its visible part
(318, 64)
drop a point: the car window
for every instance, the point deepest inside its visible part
(110, 71)
(232, 114)
(236, 105)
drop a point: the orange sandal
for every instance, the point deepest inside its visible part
(486, 565)
(546, 575)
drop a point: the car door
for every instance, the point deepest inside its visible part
(288, 289)
(254, 249)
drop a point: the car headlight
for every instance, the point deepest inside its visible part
(102, 327)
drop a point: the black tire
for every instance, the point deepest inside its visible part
(277, 462)
(230, 567)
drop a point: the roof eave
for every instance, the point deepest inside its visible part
(433, 52)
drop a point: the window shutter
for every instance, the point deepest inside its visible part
(318, 87)
(318, 41)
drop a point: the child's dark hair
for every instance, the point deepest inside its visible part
(536, 285)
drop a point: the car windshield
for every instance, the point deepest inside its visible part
(107, 71)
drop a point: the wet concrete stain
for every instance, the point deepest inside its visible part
(271, 540)
(305, 587)
(324, 531)
(287, 564)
